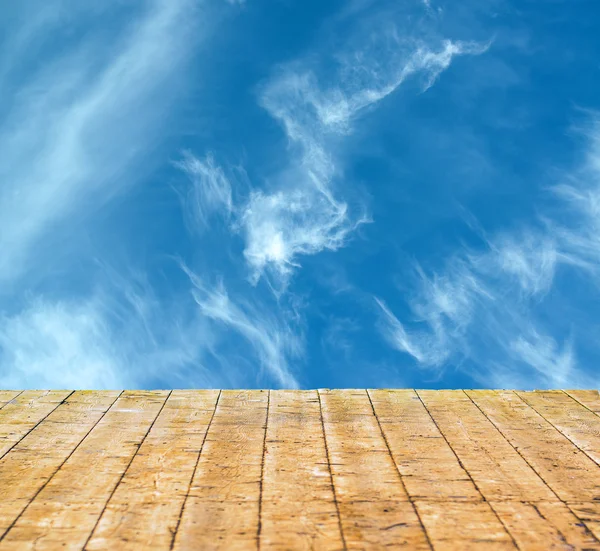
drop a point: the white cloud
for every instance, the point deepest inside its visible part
(467, 315)
(480, 313)
(210, 192)
(483, 306)
(116, 338)
(554, 366)
(54, 345)
(272, 339)
(580, 239)
(302, 215)
(76, 127)
(444, 309)
(426, 348)
(283, 225)
(530, 258)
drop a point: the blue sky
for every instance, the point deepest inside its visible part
(358, 193)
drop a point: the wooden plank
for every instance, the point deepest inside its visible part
(544, 525)
(499, 472)
(374, 507)
(298, 505)
(222, 508)
(589, 513)
(145, 509)
(300, 469)
(8, 395)
(433, 475)
(22, 414)
(38, 456)
(568, 471)
(588, 398)
(460, 525)
(66, 510)
(574, 421)
(427, 464)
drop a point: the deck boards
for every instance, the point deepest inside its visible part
(275, 470)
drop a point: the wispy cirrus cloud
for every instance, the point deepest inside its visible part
(270, 335)
(81, 125)
(304, 208)
(484, 324)
(210, 191)
(301, 212)
(579, 238)
(120, 336)
(481, 307)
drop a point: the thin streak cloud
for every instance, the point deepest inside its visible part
(72, 142)
(486, 301)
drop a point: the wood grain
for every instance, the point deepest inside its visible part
(588, 398)
(589, 513)
(434, 477)
(569, 472)
(67, 509)
(458, 525)
(499, 472)
(36, 458)
(222, 508)
(374, 507)
(7, 395)
(23, 413)
(298, 503)
(428, 466)
(544, 525)
(144, 511)
(569, 417)
(275, 470)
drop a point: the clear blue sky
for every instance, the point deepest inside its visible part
(285, 193)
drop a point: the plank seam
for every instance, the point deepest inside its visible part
(580, 403)
(262, 472)
(466, 471)
(562, 536)
(556, 428)
(112, 493)
(11, 400)
(588, 531)
(389, 449)
(187, 493)
(335, 500)
(37, 424)
(57, 469)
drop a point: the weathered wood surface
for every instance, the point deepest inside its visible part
(277, 470)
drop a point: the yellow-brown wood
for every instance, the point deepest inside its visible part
(590, 514)
(434, 477)
(588, 398)
(222, 508)
(373, 504)
(543, 525)
(298, 505)
(36, 458)
(459, 525)
(578, 424)
(565, 468)
(498, 470)
(7, 395)
(144, 511)
(332, 470)
(426, 462)
(19, 416)
(66, 510)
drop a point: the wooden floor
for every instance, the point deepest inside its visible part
(324, 470)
